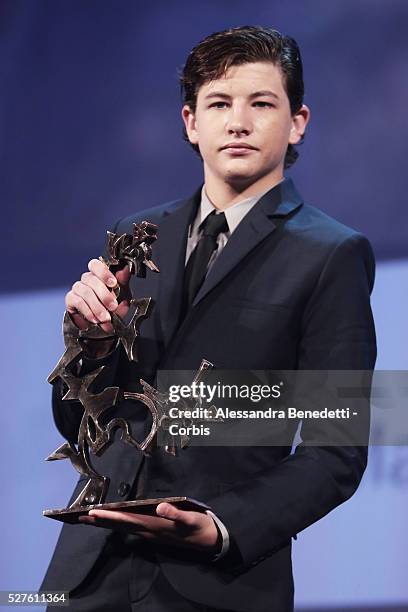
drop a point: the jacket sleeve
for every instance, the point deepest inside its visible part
(263, 514)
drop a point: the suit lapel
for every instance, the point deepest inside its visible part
(171, 247)
(254, 227)
(279, 201)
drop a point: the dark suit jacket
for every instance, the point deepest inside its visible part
(291, 290)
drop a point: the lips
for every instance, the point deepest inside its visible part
(235, 149)
(239, 146)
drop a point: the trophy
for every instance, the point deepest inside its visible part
(135, 251)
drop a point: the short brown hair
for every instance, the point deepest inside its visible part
(214, 55)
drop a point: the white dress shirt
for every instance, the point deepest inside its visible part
(233, 214)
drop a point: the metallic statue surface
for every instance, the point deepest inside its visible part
(135, 251)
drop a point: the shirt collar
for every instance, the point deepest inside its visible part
(233, 214)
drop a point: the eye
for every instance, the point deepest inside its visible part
(219, 104)
(263, 104)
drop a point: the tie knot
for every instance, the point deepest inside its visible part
(214, 224)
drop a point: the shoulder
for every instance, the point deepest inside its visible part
(319, 229)
(154, 215)
(315, 241)
(329, 244)
(317, 232)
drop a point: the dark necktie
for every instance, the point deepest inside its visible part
(197, 265)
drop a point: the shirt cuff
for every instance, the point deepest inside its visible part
(224, 534)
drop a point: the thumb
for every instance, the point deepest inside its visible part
(123, 276)
(168, 511)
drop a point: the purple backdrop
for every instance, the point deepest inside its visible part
(91, 128)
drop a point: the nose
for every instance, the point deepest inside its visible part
(238, 121)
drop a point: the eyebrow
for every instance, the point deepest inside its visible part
(256, 94)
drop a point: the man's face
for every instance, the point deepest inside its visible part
(248, 107)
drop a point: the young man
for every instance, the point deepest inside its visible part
(278, 285)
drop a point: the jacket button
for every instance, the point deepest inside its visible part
(123, 489)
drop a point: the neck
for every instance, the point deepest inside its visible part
(225, 194)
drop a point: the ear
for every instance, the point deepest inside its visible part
(299, 123)
(190, 124)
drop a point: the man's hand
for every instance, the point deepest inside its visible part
(171, 526)
(91, 298)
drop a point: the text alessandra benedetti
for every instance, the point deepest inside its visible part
(268, 413)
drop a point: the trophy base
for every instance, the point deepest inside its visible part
(142, 506)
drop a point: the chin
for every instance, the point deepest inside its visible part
(240, 175)
(239, 181)
(239, 170)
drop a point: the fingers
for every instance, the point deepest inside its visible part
(92, 297)
(170, 512)
(75, 304)
(191, 529)
(118, 517)
(127, 522)
(167, 516)
(123, 276)
(83, 298)
(172, 526)
(101, 270)
(104, 295)
(122, 526)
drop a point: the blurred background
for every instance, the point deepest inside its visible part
(90, 131)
